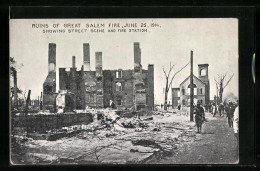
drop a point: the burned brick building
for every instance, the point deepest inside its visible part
(181, 94)
(80, 87)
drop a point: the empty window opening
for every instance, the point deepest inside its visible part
(203, 72)
(118, 74)
(118, 87)
(119, 102)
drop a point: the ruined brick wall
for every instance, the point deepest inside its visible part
(42, 123)
(49, 101)
(123, 98)
(97, 88)
(150, 87)
(73, 85)
(64, 79)
(128, 88)
(99, 80)
(107, 87)
(87, 85)
(140, 88)
(73, 82)
(90, 87)
(80, 90)
(49, 94)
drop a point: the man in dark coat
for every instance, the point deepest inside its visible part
(230, 114)
(220, 108)
(179, 107)
(199, 117)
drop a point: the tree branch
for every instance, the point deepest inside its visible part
(178, 72)
(164, 73)
(223, 78)
(171, 67)
(228, 81)
(216, 81)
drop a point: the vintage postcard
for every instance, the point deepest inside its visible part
(124, 91)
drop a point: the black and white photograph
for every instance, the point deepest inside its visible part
(124, 91)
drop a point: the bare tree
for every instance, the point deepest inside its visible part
(169, 82)
(221, 85)
(14, 90)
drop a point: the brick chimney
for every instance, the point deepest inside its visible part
(137, 53)
(98, 63)
(137, 57)
(52, 57)
(98, 59)
(86, 57)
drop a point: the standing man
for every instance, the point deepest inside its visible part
(179, 107)
(199, 117)
(214, 109)
(230, 114)
(236, 121)
(220, 108)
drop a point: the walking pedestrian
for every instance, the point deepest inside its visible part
(179, 107)
(226, 107)
(230, 114)
(199, 117)
(214, 109)
(236, 122)
(220, 108)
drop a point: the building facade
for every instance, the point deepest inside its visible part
(83, 88)
(181, 95)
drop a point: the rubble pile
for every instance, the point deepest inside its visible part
(111, 138)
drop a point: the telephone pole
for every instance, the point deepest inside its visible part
(191, 86)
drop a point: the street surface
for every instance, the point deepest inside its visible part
(216, 144)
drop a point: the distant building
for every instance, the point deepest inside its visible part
(181, 95)
(80, 88)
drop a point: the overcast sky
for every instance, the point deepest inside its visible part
(213, 41)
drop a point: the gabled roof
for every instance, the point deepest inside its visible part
(189, 77)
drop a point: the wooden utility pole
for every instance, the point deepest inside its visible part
(191, 86)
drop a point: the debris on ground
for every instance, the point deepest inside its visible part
(110, 138)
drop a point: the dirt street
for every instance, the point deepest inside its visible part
(216, 144)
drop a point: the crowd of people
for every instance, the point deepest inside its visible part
(228, 108)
